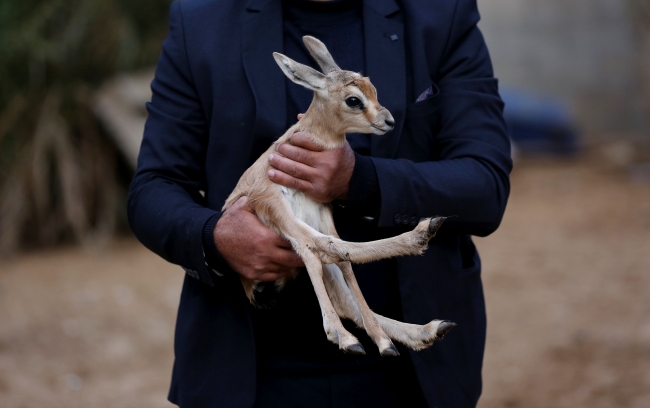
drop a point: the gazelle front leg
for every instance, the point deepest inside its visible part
(414, 242)
(370, 323)
(332, 325)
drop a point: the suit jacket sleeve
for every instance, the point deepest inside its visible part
(166, 209)
(469, 175)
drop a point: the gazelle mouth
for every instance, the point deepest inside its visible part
(383, 130)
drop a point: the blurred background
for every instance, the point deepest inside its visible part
(87, 314)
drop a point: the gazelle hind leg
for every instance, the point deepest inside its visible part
(414, 336)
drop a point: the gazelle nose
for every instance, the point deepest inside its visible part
(390, 122)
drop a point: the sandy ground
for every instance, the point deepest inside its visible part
(566, 278)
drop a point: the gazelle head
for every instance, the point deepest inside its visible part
(347, 100)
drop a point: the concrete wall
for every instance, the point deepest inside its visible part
(581, 50)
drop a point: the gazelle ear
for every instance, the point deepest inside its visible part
(300, 74)
(319, 52)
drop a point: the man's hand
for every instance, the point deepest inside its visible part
(324, 175)
(251, 248)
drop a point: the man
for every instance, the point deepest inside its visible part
(219, 100)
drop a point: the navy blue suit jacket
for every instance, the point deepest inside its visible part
(219, 100)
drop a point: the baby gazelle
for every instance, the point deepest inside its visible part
(344, 102)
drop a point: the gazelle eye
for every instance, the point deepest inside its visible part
(353, 102)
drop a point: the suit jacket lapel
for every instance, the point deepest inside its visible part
(386, 67)
(262, 35)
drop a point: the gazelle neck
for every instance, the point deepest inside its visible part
(321, 125)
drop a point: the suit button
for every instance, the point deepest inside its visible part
(397, 219)
(219, 274)
(414, 221)
(194, 274)
(405, 220)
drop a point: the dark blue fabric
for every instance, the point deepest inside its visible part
(392, 386)
(211, 253)
(219, 100)
(364, 196)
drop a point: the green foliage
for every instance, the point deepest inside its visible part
(53, 54)
(69, 41)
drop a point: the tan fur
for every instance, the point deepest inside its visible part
(312, 234)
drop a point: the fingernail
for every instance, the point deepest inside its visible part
(271, 173)
(271, 157)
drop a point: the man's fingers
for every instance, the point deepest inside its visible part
(286, 255)
(301, 139)
(271, 276)
(297, 153)
(241, 201)
(242, 204)
(276, 271)
(288, 258)
(286, 180)
(281, 242)
(291, 167)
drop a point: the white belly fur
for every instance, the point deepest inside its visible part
(305, 209)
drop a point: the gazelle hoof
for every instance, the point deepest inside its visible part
(444, 328)
(390, 351)
(356, 348)
(434, 225)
